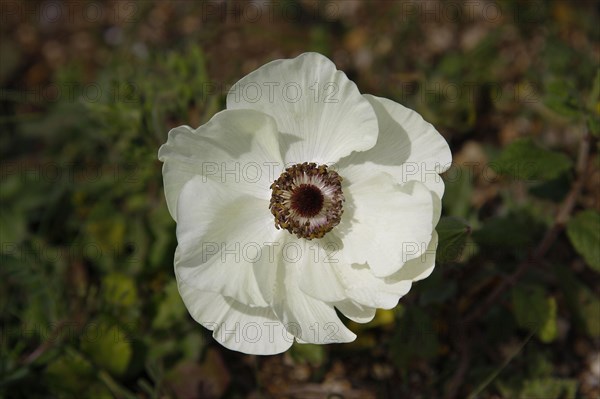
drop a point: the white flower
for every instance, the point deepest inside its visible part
(302, 197)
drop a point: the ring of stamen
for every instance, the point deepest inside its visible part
(307, 200)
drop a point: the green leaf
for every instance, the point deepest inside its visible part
(554, 190)
(525, 160)
(71, 373)
(589, 305)
(415, 337)
(549, 330)
(13, 227)
(515, 232)
(436, 290)
(311, 353)
(119, 290)
(162, 227)
(583, 304)
(453, 233)
(320, 39)
(535, 312)
(107, 227)
(452, 64)
(561, 99)
(108, 347)
(457, 196)
(170, 310)
(584, 232)
(139, 245)
(549, 388)
(192, 344)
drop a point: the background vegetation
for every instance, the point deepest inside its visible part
(89, 306)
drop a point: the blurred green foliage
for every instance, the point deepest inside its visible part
(90, 307)
(523, 160)
(584, 232)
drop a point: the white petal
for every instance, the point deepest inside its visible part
(418, 268)
(364, 288)
(223, 235)
(437, 208)
(317, 262)
(384, 224)
(356, 312)
(308, 319)
(408, 147)
(265, 272)
(235, 147)
(320, 111)
(318, 277)
(238, 327)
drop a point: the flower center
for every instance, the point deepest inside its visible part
(307, 200)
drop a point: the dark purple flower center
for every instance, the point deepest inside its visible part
(307, 200)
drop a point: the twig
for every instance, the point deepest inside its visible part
(45, 345)
(497, 372)
(552, 233)
(465, 360)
